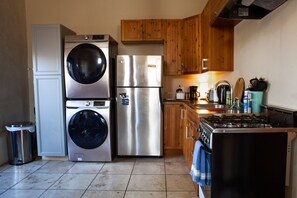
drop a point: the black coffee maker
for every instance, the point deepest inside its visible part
(194, 94)
(221, 91)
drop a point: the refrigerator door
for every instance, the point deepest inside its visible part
(139, 122)
(139, 71)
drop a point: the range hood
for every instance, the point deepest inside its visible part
(249, 9)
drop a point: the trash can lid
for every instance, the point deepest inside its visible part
(18, 126)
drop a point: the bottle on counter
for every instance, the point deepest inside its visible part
(228, 98)
(247, 102)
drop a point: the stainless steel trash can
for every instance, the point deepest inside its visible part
(20, 142)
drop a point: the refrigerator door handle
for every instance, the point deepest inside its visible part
(161, 99)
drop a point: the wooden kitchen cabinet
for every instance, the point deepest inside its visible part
(173, 47)
(173, 128)
(142, 31)
(217, 43)
(190, 136)
(191, 44)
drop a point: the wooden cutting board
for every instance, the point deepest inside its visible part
(238, 89)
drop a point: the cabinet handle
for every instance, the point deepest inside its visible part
(187, 131)
(203, 63)
(182, 114)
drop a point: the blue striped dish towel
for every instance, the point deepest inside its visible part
(201, 165)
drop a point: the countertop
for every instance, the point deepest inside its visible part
(190, 103)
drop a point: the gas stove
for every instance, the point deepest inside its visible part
(243, 146)
(243, 121)
(274, 119)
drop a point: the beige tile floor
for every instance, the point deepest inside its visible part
(165, 177)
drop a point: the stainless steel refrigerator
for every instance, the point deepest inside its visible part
(139, 105)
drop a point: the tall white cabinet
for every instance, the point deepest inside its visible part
(49, 94)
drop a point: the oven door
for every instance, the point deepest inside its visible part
(248, 165)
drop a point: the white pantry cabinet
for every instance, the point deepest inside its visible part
(49, 93)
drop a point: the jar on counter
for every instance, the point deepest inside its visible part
(180, 95)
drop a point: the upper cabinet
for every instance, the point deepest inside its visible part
(217, 42)
(173, 47)
(141, 31)
(191, 45)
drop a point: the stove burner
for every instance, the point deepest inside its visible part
(235, 121)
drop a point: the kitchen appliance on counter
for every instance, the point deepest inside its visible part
(222, 92)
(180, 94)
(250, 154)
(139, 105)
(194, 94)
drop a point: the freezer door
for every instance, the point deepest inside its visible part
(139, 122)
(140, 71)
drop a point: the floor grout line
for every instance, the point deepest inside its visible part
(166, 162)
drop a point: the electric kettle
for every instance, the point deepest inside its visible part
(221, 92)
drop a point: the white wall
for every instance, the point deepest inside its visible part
(104, 16)
(268, 48)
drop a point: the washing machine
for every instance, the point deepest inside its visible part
(89, 64)
(89, 130)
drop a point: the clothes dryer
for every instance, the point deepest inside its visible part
(89, 64)
(89, 130)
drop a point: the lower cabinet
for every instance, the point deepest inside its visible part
(190, 136)
(173, 128)
(50, 115)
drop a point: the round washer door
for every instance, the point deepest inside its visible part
(86, 63)
(88, 129)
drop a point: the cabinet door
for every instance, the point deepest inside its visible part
(142, 31)
(46, 50)
(173, 121)
(190, 136)
(50, 119)
(217, 43)
(131, 30)
(191, 45)
(172, 47)
(152, 29)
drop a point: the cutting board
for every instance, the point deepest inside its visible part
(238, 89)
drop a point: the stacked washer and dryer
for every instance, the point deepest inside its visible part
(89, 63)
